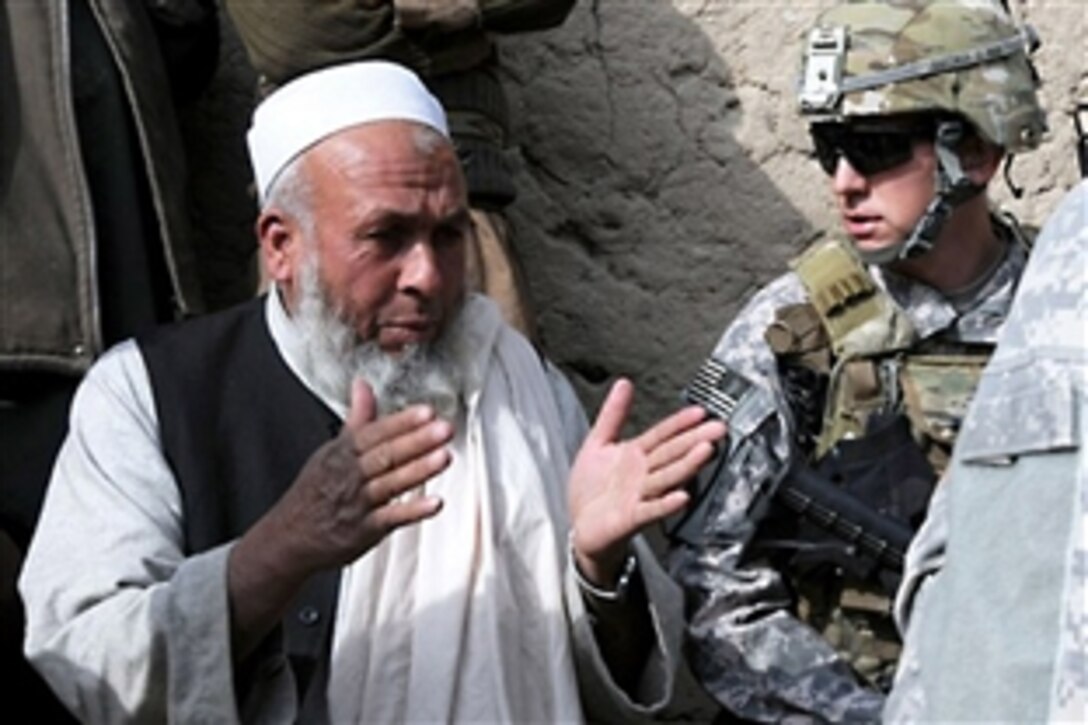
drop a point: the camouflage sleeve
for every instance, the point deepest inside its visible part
(907, 701)
(1009, 518)
(745, 645)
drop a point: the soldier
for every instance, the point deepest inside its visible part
(1009, 519)
(844, 381)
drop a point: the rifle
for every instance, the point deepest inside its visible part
(721, 391)
(821, 502)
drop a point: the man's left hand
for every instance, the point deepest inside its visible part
(617, 487)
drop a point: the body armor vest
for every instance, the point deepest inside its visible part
(876, 412)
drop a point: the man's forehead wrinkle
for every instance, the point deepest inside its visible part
(378, 174)
(357, 164)
(385, 214)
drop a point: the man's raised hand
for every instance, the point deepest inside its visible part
(346, 499)
(618, 487)
(348, 496)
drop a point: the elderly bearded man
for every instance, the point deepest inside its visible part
(207, 553)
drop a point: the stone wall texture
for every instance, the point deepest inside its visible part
(664, 173)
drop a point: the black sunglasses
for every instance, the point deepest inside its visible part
(869, 149)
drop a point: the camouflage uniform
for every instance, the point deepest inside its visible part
(750, 650)
(1009, 521)
(749, 646)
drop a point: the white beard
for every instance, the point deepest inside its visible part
(423, 373)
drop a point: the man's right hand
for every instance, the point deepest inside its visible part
(347, 497)
(345, 500)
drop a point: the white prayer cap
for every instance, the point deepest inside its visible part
(316, 105)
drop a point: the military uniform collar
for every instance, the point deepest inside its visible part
(977, 320)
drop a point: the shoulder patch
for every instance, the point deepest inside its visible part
(717, 388)
(731, 396)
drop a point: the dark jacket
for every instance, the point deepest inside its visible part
(50, 281)
(237, 426)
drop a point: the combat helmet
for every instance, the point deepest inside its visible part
(963, 60)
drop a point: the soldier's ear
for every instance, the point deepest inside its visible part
(980, 159)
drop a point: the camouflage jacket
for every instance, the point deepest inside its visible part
(1011, 513)
(747, 648)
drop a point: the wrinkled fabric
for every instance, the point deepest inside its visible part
(747, 647)
(463, 619)
(999, 568)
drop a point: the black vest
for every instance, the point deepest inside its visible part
(236, 427)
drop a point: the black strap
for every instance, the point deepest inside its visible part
(1079, 116)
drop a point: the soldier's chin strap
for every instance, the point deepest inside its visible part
(953, 188)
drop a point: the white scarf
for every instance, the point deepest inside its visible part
(462, 618)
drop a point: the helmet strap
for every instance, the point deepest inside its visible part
(953, 188)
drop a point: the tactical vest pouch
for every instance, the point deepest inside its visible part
(937, 391)
(885, 469)
(797, 334)
(861, 322)
(859, 318)
(861, 629)
(856, 394)
(802, 353)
